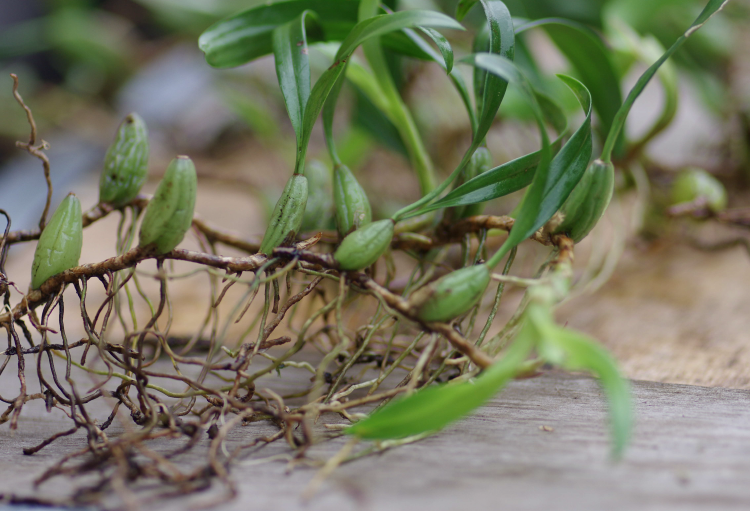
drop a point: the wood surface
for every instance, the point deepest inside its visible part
(541, 444)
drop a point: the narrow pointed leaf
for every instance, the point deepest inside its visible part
(588, 55)
(329, 110)
(502, 43)
(506, 69)
(360, 76)
(498, 182)
(455, 76)
(248, 35)
(293, 66)
(443, 46)
(566, 168)
(463, 8)
(508, 177)
(552, 183)
(383, 24)
(496, 83)
(372, 112)
(575, 352)
(399, 42)
(648, 50)
(712, 7)
(481, 44)
(371, 27)
(433, 408)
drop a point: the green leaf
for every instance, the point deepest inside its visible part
(587, 53)
(568, 165)
(456, 78)
(463, 8)
(506, 69)
(290, 53)
(498, 182)
(360, 76)
(502, 43)
(435, 407)
(383, 24)
(372, 110)
(552, 184)
(329, 110)
(426, 52)
(481, 44)
(508, 177)
(371, 27)
(712, 7)
(400, 43)
(248, 35)
(443, 45)
(575, 352)
(648, 49)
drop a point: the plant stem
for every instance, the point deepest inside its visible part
(399, 113)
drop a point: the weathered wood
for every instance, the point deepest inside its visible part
(691, 450)
(674, 314)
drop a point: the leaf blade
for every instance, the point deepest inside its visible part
(508, 71)
(712, 7)
(443, 46)
(575, 351)
(433, 408)
(385, 23)
(588, 55)
(552, 183)
(293, 66)
(367, 29)
(458, 81)
(247, 35)
(508, 177)
(463, 8)
(502, 43)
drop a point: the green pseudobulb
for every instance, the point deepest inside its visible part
(319, 209)
(364, 246)
(588, 201)
(59, 246)
(352, 206)
(693, 183)
(287, 215)
(169, 215)
(126, 163)
(451, 295)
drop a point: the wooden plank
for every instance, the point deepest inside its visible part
(691, 450)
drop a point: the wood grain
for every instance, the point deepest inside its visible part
(542, 444)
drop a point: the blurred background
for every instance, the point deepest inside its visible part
(84, 64)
